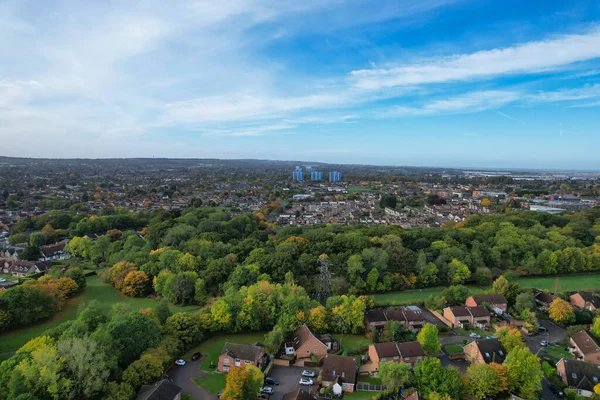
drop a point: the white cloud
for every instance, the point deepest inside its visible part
(531, 57)
(585, 92)
(467, 103)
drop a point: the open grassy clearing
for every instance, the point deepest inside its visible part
(352, 343)
(558, 352)
(360, 395)
(566, 283)
(96, 289)
(213, 382)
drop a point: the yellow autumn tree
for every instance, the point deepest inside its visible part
(317, 319)
(561, 312)
(243, 383)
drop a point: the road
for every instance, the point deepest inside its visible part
(555, 334)
(184, 378)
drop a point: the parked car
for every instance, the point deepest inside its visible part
(220, 394)
(2, 280)
(490, 337)
(180, 362)
(475, 335)
(266, 389)
(309, 374)
(556, 390)
(196, 356)
(264, 396)
(543, 328)
(306, 381)
(544, 343)
(271, 381)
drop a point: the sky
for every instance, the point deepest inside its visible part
(451, 83)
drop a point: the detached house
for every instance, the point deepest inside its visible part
(497, 302)
(579, 376)
(543, 300)
(237, 355)
(460, 317)
(585, 301)
(485, 351)
(408, 353)
(305, 344)
(161, 390)
(54, 252)
(584, 347)
(20, 268)
(339, 372)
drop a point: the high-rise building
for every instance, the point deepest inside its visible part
(298, 174)
(335, 176)
(316, 175)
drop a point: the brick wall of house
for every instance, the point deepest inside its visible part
(223, 358)
(312, 347)
(472, 353)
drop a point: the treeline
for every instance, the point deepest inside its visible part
(35, 300)
(225, 250)
(107, 355)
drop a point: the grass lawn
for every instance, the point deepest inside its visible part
(454, 348)
(558, 352)
(8, 277)
(415, 295)
(360, 395)
(213, 382)
(352, 343)
(370, 379)
(213, 346)
(96, 289)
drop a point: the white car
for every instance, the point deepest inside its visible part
(309, 374)
(266, 390)
(180, 362)
(544, 343)
(306, 381)
(475, 335)
(2, 280)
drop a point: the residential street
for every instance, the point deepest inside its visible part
(555, 334)
(184, 378)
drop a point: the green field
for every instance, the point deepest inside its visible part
(558, 352)
(454, 348)
(566, 283)
(96, 289)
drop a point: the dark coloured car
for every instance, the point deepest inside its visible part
(196, 356)
(271, 381)
(556, 390)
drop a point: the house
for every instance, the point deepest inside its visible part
(411, 318)
(585, 300)
(304, 344)
(497, 302)
(298, 394)
(460, 317)
(54, 252)
(236, 355)
(485, 350)
(409, 353)
(584, 347)
(339, 372)
(579, 376)
(161, 390)
(543, 299)
(20, 268)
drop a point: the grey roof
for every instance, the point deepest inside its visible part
(491, 350)
(581, 374)
(242, 351)
(591, 297)
(161, 390)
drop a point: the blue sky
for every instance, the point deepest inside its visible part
(477, 83)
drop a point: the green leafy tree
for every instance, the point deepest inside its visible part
(37, 239)
(243, 383)
(428, 337)
(458, 272)
(372, 278)
(185, 327)
(524, 372)
(131, 335)
(162, 311)
(274, 340)
(77, 275)
(430, 376)
(483, 381)
(395, 375)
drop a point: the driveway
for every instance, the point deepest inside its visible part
(432, 319)
(184, 378)
(555, 334)
(289, 378)
(457, 339)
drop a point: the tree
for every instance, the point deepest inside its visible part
(185, 327)
(141, 372)
(131, 335)
(243, 383)
(86, 366)
(395, 375)
(49, 233)
(458, 272)
(66, 285)
(428, 337)
(37, 239)
(524, 372)
(78, 276)
(561, 312)
(501, 286)
(524, 301)
(597, 389)
(510, 338)
(200, 292)
(431, 376)
(388, 200)
(136, 284)
(372, 278)
(162, 311)
(42, 373)
(273, 340)
(483, 380)
(318, 319)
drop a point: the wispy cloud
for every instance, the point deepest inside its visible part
(529, 58)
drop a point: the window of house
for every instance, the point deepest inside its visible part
(226, 361)
(574, 375)
(383, 358)
(395, 357)
(595, 379)
(406, 358)
(246, 362)
(237, 360)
